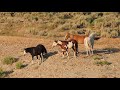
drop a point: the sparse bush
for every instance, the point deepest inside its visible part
(101, 63)
(34, 32)
(73, 32)
(96, 57)
(2, 73)
(43, 33)
(114, 33)
(105, 34)
(90, 20)
(19, 65)
(9, 60)
(50, 34)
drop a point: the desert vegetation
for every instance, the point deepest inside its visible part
(106, 24)
(19, 30)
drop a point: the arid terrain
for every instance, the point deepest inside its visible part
(19, 30)
(54, 66)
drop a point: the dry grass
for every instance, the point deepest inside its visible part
(106, 24)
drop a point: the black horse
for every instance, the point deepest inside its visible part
(35, 51)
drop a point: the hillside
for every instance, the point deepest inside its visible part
(106, 24)
(19, 30)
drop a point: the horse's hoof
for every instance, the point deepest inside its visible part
(39, 63)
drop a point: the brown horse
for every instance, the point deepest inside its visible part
(78, 38)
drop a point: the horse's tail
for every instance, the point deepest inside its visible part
(45, 50)
(96, 38)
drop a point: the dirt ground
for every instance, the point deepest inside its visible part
(54, 66)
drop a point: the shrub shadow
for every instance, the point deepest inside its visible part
(23, 66)
(7, 73)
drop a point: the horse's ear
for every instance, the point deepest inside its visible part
(55, 40)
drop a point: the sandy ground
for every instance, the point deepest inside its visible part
(54, 66)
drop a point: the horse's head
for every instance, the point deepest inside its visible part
(67, 36)
(54, 44)
(25, 51)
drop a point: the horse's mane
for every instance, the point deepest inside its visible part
(92, 35)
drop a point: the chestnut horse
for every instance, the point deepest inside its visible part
(78, 38)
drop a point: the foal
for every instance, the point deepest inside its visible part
(65, 45)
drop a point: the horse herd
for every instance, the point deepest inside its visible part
(65, 45)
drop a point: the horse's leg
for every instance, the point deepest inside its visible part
(32, 59)
(67, 54)
(75, 51)
(87, 51)
(40, 59)
(92, 50)
(41, 56)
(37, 56)
(63, 54)
(76, 47)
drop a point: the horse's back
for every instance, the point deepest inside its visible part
(79, 38)
(41, 48)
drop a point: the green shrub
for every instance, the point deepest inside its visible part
(98, 63)
(19, 65)
(96, 57)
(114, 33)
(9, 60)
(2, 73)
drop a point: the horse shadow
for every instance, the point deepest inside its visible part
(46, 56)
(107, 50)
(104, 51)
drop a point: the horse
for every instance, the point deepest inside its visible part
(65, 45)
(35, 51)
(89, 43)
(78, 38)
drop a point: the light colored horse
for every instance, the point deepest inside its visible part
(89, 43)
(78, 38)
